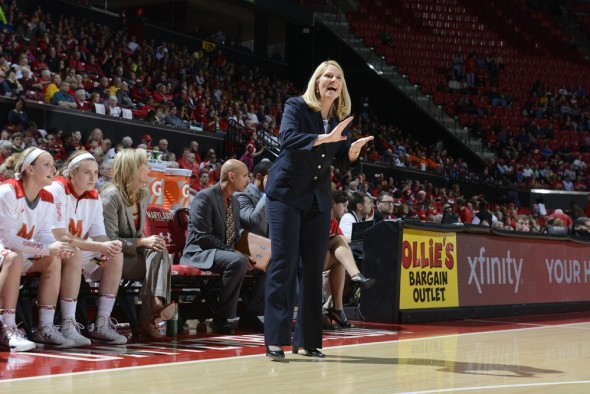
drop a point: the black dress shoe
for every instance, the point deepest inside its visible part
(250, 322)
(309, 351)
(327, 324)
(221, 326)
(339, 317)
(275, 355)
(360, 280)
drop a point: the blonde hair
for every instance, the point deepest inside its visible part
(341, 106)
(62, 170)
(21, 157)
(126, 175)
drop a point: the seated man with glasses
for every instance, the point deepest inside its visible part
(385, 205)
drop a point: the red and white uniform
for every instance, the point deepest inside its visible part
(81, 216)
(25, 227)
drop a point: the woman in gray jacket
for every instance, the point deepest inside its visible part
(145, 258)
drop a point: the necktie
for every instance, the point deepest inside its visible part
(229, 223)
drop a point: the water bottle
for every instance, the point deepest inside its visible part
(172, 324)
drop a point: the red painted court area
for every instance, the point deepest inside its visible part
(186, 348)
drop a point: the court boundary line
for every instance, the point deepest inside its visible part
(175, 363)
(496, 387)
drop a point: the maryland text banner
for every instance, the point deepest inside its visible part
(428, 277)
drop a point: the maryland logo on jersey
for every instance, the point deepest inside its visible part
(75, 228)
(23, 233)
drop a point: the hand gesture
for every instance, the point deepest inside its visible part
(336, 134)
(112, 248)
(155, 242)
(356, 146)
(62, 250)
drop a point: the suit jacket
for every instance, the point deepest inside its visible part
(301, 173)
(118, 220)
(206, 227)
(253, 210)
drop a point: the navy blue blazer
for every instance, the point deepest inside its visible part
(302, 171)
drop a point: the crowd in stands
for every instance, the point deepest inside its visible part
(413, 200)
(79, 64)
(91, 68)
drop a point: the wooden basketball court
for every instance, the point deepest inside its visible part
(538, 354)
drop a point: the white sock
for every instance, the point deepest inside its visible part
(106, 302)
(46, 315)
(68, 308)
(8, 317)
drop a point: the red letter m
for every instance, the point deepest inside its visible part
(75, 228)
(23, 232)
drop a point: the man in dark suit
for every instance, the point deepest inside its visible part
(211, 240)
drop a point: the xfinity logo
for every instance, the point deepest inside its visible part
(494, 270)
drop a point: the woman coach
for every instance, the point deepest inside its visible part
(313, 133)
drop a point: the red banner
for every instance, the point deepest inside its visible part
(497, 270)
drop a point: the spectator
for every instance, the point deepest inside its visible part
(5, 150)
(80, 100)
(581, 226)
(187, 161)
(7, 169)
(112, 109)
(63, 98)
(28, 80)
(10, 87)
(95, 100)
(139, 93)
(565, 219)
(465, 214)
(172, 119)
(251, 151)
(105, 175)
(163, 148)
(18, 143)
(114, 88)
(92, 68)
(17, 116)
(56, 150)
(42, 83)
(123, 96)
(194, 148)
(68, 143)
(53, 88)
(96, 135)
(483, 216)
(523, 223)
(147, 141)
(204, 180)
